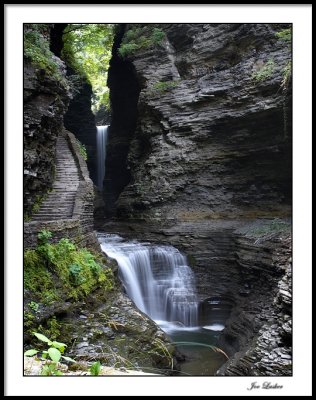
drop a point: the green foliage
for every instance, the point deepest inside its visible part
(44, 236)
(271, 228)
(53, 328)
(37, 279)
(164, 86)
(139, 38)
(53, 354)
(285, 35)
(95, 368)
(83, 150)
(287, 72)
(36, 50)
(34, 306)
(87, 49)
(264, 72)
(78, 270)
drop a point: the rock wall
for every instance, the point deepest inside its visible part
(46, 97)
(208, 169)
(213, 135)
(80, 120)
(124, 93)
(80, 226)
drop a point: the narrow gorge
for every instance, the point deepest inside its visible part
(158, 198)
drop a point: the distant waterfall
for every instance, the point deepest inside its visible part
(102, 138)
(156, 278)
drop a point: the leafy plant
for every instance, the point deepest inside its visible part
(53, 355)
(34, 306)
(287, 72)
(139, 38)
(285, 35)
(164, 86)
(95, 368)
(44, 236)
(87, 49)
(36, 50)
(264, 72)
(78, 270)
(82, 150)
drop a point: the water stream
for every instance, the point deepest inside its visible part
(161, 284)
(102, 137)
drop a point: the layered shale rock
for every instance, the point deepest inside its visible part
(208, 168)
(46, 96)
(213, 135)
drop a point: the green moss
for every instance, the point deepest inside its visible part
(163, 86)
(264, 72)
(37, 279)
(52, 328)
(61, 269)
(285, 35)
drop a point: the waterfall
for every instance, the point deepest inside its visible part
(156, 278)
(102, 137)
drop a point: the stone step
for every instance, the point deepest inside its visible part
(59, 203)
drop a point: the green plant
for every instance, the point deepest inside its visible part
(54, 269)
(53, 355)
(36, 50)
(164, 86)
(285, 35)
(82, 150)
(95, 368)
(287, 72)
(43, 236)
(139, 38)
(34, 306)
(87, 49)
(264, 72)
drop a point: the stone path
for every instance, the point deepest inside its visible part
(59, 203)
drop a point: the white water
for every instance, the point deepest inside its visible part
(102, 138)
(157, 279)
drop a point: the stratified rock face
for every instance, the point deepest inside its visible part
(213, 136)
(45, 101)
(124, 93)
(80, 120)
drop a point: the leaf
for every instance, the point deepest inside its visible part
(95, 368)
(68, 359)
(43, 338)
(30, 353)
(58, 345)
(54, 354)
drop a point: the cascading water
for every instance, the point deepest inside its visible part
(157, 279)
(102, 137)
(161, 284)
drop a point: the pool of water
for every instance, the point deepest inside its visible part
(199, 345)
(200, 348)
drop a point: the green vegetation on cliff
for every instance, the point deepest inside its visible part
(138, 38)
(37, 52)
(87, 49)
(61, 270)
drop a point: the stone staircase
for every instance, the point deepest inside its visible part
(60, 201)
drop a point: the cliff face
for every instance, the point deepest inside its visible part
(80, 120)
(213, 135)
(46, 96)
(208, 169)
